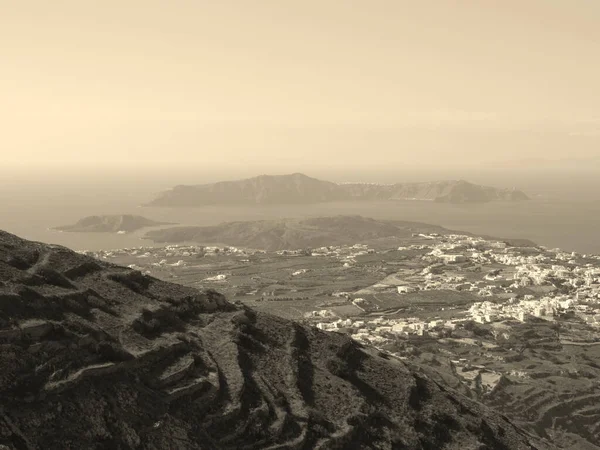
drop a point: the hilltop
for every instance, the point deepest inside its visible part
(285, 234)
(116, 359)
(298, 188)
(111, 224)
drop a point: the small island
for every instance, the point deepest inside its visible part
(116, 223)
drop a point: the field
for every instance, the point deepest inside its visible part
(291, 286)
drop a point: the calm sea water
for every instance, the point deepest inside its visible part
(564, 211)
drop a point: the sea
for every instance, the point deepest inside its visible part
(564, 210)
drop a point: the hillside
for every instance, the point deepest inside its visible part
(115, 359)
(111, 224)
(298, 188)
(292, 233)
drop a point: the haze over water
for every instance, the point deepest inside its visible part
(107, 103)
(564, 210)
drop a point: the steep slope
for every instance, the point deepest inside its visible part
(283, 234)
(114, 359)
(298, 188)
(111, 224)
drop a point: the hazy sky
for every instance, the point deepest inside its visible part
(294, 83)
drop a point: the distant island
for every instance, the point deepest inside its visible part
(298, 188)
(116, 223)
(285, 234)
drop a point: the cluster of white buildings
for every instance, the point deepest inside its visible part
(171, 251)
(346, 254)
(527, 267)
(531, 267)
(379, 330)
(522, 309)
(485, 312)
(582, 282)
(219, 277)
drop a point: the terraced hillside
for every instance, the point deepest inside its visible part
(115, 359)
(546, 385)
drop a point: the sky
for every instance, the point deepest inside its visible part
(283, 85)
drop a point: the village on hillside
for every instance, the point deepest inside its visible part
(506, 282)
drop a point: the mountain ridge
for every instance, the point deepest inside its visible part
(298, 188)
(117, 359)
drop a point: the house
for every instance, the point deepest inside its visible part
(401, 327)
(405, 289)
(490, 317)
(453, 259)
(220, 277)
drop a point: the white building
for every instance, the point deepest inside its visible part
(405, 289)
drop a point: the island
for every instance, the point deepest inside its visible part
(294, 233)
(298, 188)
(118, 223)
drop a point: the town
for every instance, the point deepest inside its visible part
(511, 282)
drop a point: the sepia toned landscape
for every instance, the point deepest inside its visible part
(511, 324)
(300, 225)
